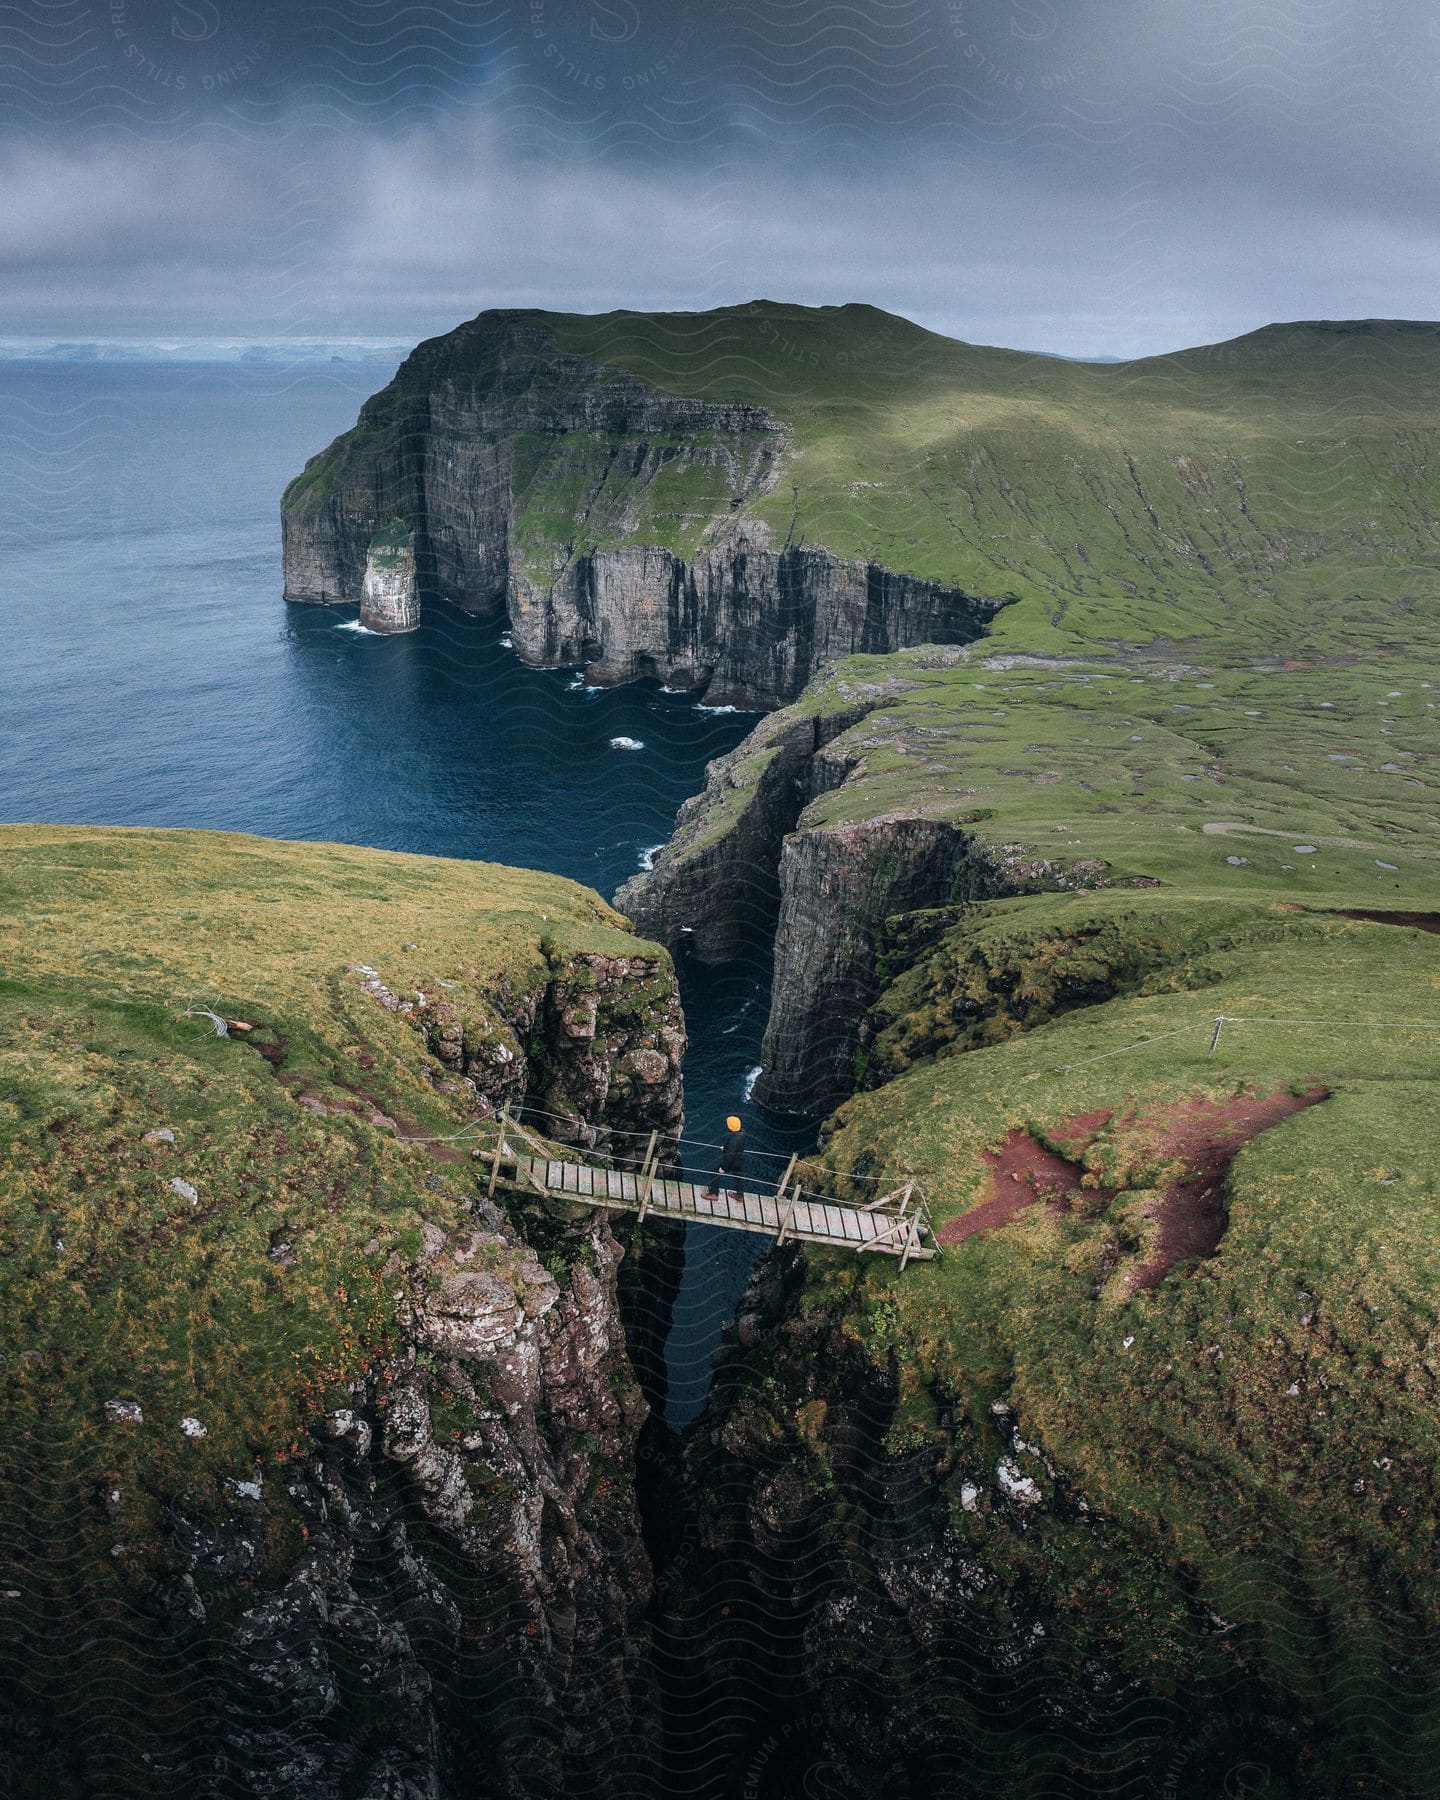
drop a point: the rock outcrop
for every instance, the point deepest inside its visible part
(839, 884)
(389, 595)
(608, 518)
(713, 889)
(594, 1055)
(758, 852)
(472, 1584)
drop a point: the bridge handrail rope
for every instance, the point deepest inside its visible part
(1215, 1022)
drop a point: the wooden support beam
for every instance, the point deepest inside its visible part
(885, 1200)
(883, 1237)
(647, 1176)
(789, 1212)
(499, 1152)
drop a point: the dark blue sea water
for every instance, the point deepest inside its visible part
(150, 674)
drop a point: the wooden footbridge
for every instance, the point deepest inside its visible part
(896, 1223)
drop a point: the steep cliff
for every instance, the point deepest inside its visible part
(713, 889)
(733, 498)
(1129, 1491)
(320, 1465)
(610, 519)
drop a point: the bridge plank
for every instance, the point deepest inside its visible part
(882, 1229)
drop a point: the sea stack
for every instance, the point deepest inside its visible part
(390, 595)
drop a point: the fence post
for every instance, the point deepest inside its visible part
(1215, 1041)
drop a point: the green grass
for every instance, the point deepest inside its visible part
(393, 546)
(1211, 1486)
(117, 1285)
(1271, 488)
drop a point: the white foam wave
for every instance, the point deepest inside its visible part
(624, 743)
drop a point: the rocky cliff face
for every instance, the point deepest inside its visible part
(758, 853)
(748, 624)
(439, 1588)
(838, 886)
(605, 516)
(466, 1614)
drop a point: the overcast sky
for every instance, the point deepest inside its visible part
(1107, 177)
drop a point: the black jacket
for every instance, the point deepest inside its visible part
(732, 1157)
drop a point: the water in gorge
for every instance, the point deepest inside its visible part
(151, 675)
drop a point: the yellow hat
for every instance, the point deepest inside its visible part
(732, 1123)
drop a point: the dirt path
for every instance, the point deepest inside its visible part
(1222, 827)
(1419, 920)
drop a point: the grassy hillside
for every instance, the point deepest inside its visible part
(1207, 779)
(1274, 488)
(1277, 482)
(232, 1269)
(1200, 1276)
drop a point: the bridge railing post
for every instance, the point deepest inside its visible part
(499, 1151)
(647, 1175)
(789, 1212)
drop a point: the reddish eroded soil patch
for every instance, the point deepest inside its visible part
(1421, 921)
(1206, 1136)
(1022, 1172)
(1082, 1127)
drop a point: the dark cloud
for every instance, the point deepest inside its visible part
(1103, 176)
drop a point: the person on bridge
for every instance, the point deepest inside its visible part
(732, 1162)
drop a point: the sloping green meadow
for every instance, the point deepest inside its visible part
(1241, 1464)
(1212, 779)
(249, 1296)
(1254, 1434)
(1229, 494)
